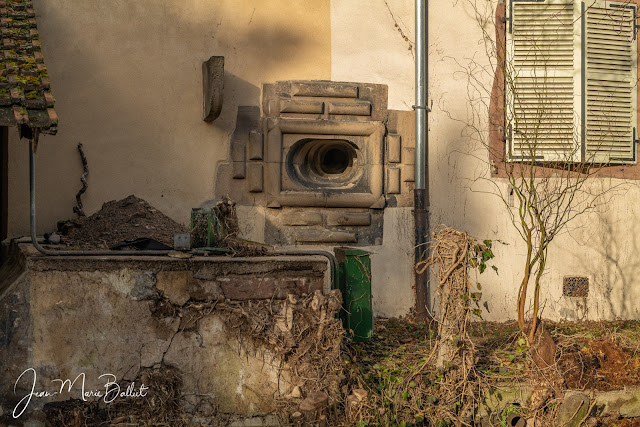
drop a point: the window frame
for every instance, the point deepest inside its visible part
(499, 138)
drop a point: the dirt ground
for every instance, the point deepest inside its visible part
(395, 374)
(601, 356)
(396, 370)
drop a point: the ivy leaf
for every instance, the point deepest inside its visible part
(487, 243)
(495, 269)
(483, 267)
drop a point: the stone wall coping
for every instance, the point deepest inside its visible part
(37, 261)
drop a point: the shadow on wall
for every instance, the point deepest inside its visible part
(463, 193)
(158, 62)
(615, 292)
(235, 88)
(128, 83)
(449, 196)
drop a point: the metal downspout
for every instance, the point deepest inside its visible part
(421, 191)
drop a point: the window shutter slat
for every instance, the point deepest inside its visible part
(542, 88)
(611, 78)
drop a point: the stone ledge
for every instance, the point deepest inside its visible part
(625, 403)
(36, 261)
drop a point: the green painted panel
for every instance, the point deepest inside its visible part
(354, 278)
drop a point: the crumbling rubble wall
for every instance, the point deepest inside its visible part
(225, 326)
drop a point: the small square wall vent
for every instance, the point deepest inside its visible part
(575, 286)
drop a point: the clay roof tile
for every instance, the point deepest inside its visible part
(25, 89)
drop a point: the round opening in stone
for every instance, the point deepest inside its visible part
(335, 161)
(321, 163)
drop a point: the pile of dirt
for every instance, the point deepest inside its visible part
(132, 218)
(599, 364)
(123, 220)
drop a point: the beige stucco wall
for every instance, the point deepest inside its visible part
(601, 245)
(366, 45)
(128, 84)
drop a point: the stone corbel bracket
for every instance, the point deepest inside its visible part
(212, 87)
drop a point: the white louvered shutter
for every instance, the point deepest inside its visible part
(543, 80)
(611, 82)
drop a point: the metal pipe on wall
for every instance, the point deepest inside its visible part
(421, 191)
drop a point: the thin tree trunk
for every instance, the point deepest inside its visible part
(522, 295)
